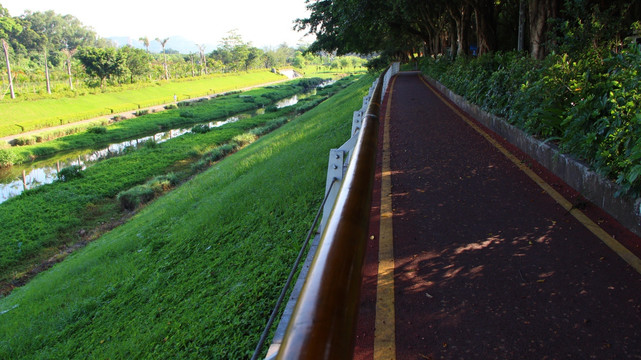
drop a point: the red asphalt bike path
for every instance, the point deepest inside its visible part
(487, 264)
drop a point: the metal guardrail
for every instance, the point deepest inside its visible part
(323, 322)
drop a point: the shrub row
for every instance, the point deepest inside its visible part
(142, 194)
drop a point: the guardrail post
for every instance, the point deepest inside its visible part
(357, 121)
(335, 171)
(366, 100)
(324, 328)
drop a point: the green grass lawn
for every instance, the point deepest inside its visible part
(20, 116)
(194, 274)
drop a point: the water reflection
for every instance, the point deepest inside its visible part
(288, 102)
(12, 182)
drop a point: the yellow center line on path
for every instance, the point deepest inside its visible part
(385, 328)
(616, 246)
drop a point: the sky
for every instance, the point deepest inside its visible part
(264, 23)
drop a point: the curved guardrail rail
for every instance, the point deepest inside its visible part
(323, 322)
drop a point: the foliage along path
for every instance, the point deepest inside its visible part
(486, 264)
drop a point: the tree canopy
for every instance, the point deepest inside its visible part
(402, 28)
(102, 62)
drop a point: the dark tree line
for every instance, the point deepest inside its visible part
(403, 28)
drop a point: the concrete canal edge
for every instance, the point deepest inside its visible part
(594, 187)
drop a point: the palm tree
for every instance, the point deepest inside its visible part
(163, 42)
(145, 41)
(69, 53)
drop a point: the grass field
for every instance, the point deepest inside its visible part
(21, 116)
(194, 275)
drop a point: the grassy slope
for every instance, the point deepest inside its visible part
(194, 275)
(48, 112)
(66, 212)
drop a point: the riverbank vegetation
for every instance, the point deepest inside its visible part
(195, 273)
(183, 114)
(75, 208)
(18, 117)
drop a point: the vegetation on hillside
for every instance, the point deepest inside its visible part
(589, 106)
(195, 274)
(66, 212)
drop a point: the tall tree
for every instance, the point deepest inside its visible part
(163, 42)
(47, 78)
(521, 32)
(5, 48)
(7, 26)
(485, 21)
(193, 67)
(460, 13)
(145, 42)
(60, 35)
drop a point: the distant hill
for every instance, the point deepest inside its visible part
(181, 44)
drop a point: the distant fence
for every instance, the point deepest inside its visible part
(323, 320)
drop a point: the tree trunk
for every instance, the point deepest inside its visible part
(205, 63)
(5, 46)
(521, 34)
(452, 40)
(47, 73)
(69, 74)
(461, 31)
(539, 11)
(485, 26)
(461, 16)
(165, 64)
